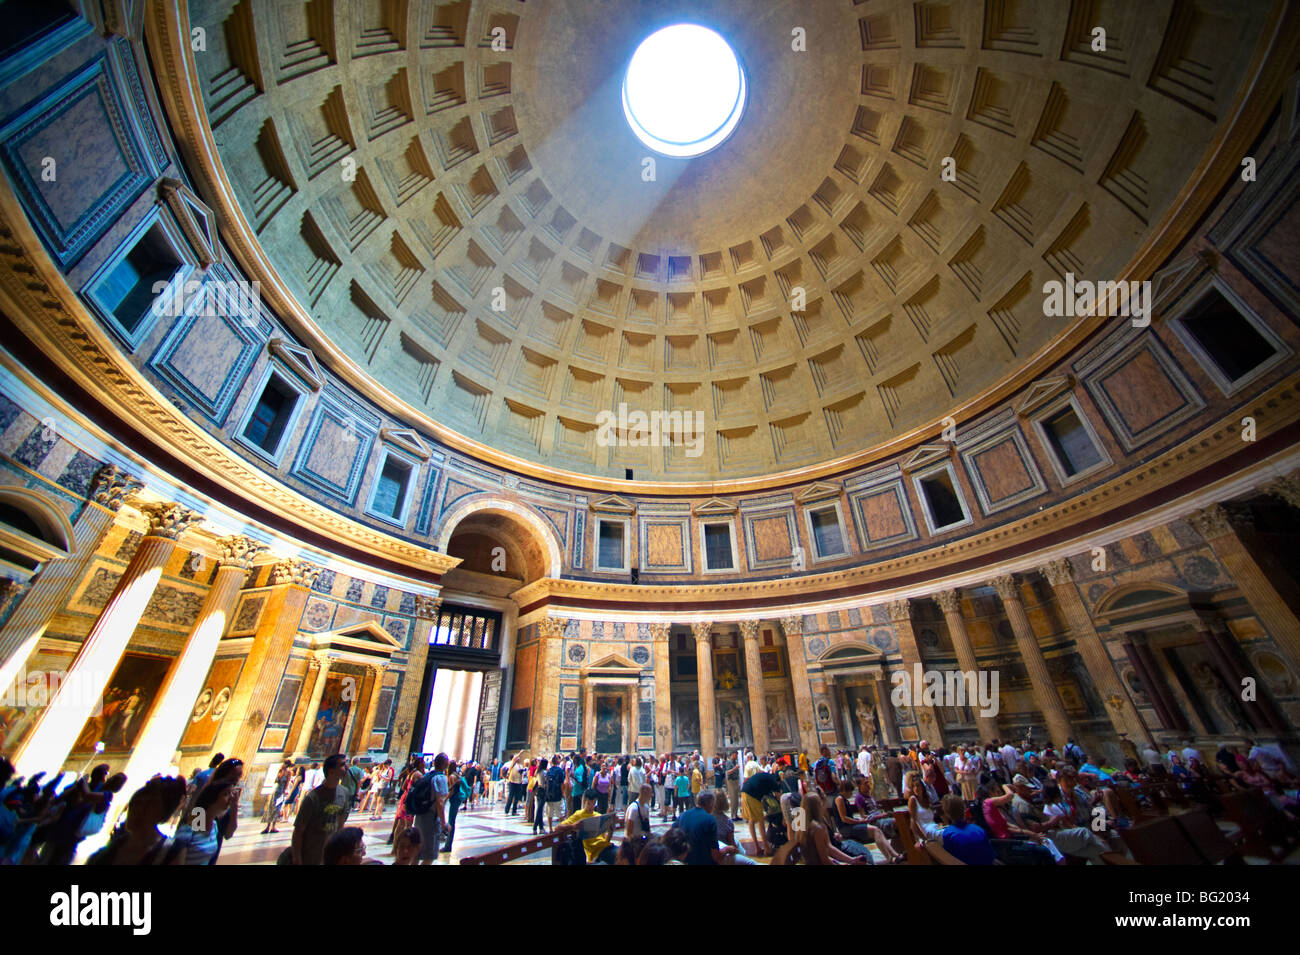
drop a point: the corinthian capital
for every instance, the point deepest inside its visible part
(659, 632)
(1006, 587)
(900, 610)
(552, 628)
(300, 573)
(1058, 572)
(168, 520)
(426, 607)
(702, 630)
(111, 486)
(749, 629)
(949, 601)
(792, 626)
(1210, 522)
(1286, 488)
(239, 551)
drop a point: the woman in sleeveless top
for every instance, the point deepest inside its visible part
(813, 840)
(919, 806)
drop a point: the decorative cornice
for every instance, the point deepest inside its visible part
(1006, 587)
(239, 551)
(297, 573)
(949, 601)
(111, 486)
(1058, 572)
(168, 520)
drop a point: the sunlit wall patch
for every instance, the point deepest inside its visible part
(684, 91)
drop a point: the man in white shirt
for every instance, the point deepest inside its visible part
(1150, 755)
(1272, 758)
(751, 765)
(864, 761)
(313, 778)
(1010, 757)
(1190, 752)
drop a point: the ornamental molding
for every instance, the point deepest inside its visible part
(111, 486)
(297, 573)
(239, 551)
(168, 520)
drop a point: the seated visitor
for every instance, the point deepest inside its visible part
(962, 838)
(813, 838)
(598, 846)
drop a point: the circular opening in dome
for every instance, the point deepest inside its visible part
(684, 91)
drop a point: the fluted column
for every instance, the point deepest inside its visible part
(704, 679)
(263, 670)
(1040, 680)
(633, 716)
(546, 722)
(754, 681)
(1124, 716)
(803, 702)
(51, 589)
(663, 694)
(888, 722)
(408, 702)
(950, 603)
(1215, 524)
(184, 681)
(588, 741)
(927, 717)
(81, 692)
(318, 669)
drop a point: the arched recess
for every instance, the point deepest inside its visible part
(32, 530)
(488, 505)
(854, 707)
(1149, 596)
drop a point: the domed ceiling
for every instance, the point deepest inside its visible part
(480, 231)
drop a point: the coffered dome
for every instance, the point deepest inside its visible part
(453, 194)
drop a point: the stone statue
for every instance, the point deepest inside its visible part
(866, 722)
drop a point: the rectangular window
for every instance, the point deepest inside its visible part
(826, 534)
(717, 547)
(271, 415)
(609, 554)
(1070, 442)
(127, 291)
(391, 487)
(945, 506)
(1227, 338)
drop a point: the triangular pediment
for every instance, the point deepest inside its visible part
(817, 491)
(299, 360)
(407, 440)
(1043, 391)
(927, 454)
(196, 220)
(613, 661)
(366, 638)
(613, 504)
(714, 507)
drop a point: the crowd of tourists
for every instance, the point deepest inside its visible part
(983, 803)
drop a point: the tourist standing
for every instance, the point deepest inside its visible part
(324, 811)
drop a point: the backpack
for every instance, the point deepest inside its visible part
(569, 852)
(420, 799)
(554, 786)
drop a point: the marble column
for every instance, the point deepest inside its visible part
(803, 702)
(408, 701)
(360, 739)
(588, 741)
(659, 632)
(546, 710)
(1040, 680)
(754, 683)
(950, 603)
(1149, 683)
(704, 680)
(930, 726)
(1216, 524)
(318, 670)
(81, 692)
(633, 718)
(1124, 716)
(888, 724)
(184, 681)
(50, 591)
(241, 729)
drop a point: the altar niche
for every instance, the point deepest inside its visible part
(611, 701)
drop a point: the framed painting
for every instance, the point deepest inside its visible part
(129, 697)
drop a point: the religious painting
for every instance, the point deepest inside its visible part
(771, 662)
(609, 724)
(778, 719)
(862, 715)
(332, 716)
(212, 702)
(686, 719)
(726, 670)
(25, 699)
(731, 723)
(128, 699)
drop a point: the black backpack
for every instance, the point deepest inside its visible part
(569, 852)
(420, 799)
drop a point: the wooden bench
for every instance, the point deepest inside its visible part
(1265, 830)
(1160, 841)
(516, 850)
(1210, 841)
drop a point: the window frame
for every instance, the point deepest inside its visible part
(276, 459)
(1038, 420)
(626, 524)
(1207, 363)
(412, 482)
(924, 501)
(730, 525)
(831, 504)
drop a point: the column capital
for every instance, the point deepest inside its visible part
(900, 610)
(1058, 572)
(168, 520)
(949, 601)
(1006, 587)
(239, 551)
(376, 670)
(1286, 488)
(659, 632)
(793, 626)
(299, 573)
(426, 607)
(111, 486)
(702, 629)
(1210, 521)
(553, 627)
(749, 629)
